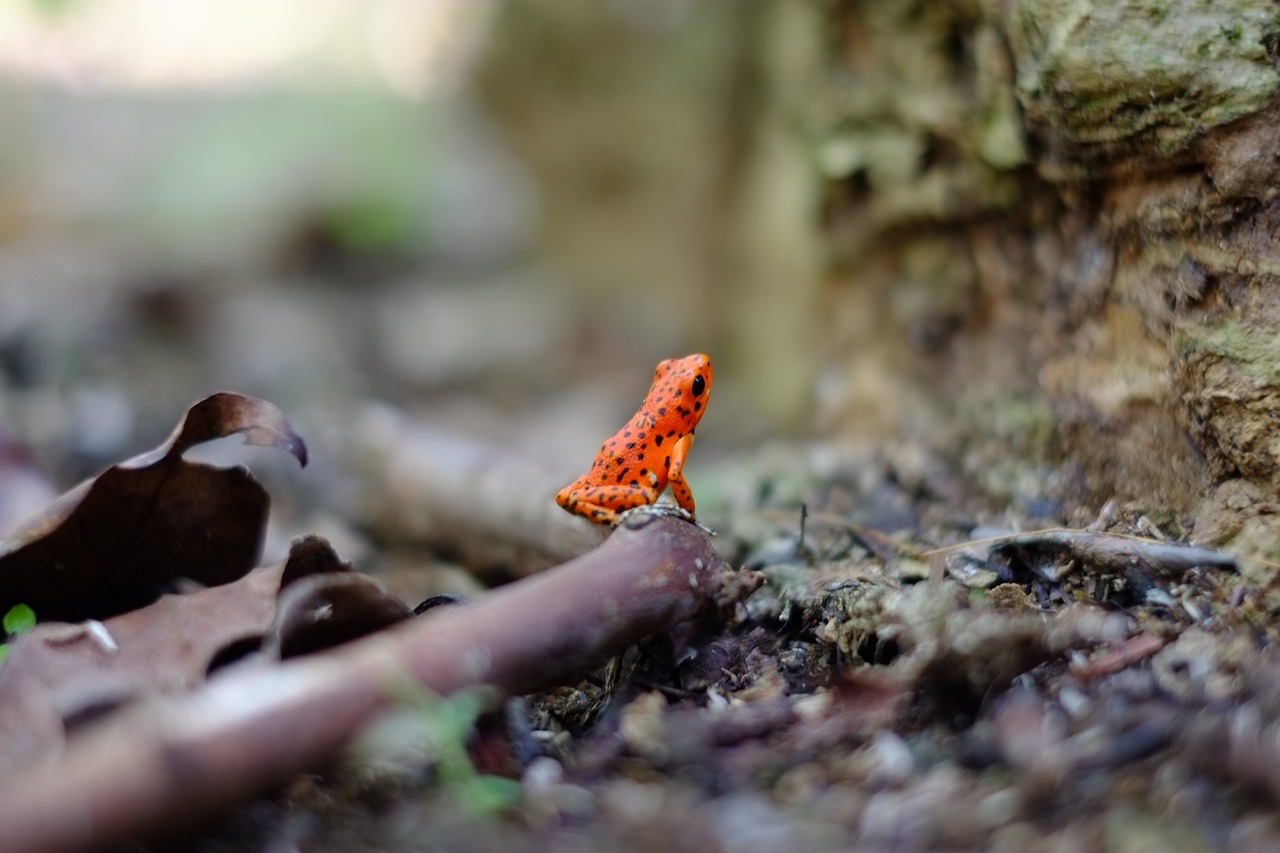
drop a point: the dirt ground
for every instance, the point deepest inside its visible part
(908, 678)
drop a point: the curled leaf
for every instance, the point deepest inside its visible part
(107, 545)
(227, 413)
(327, 610)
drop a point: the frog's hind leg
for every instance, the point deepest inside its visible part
(606, 504)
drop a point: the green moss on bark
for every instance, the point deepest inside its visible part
(1141, 77)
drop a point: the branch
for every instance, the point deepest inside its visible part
(481, 501)
(171, 761)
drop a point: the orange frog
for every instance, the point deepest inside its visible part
(634, 467)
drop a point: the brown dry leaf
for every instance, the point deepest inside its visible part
(105, 545)
(59, 675)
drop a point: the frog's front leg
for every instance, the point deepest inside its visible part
(603, 504)
(675, 474)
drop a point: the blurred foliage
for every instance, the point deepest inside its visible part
(55, 8)
(678, 203)
(447, 724)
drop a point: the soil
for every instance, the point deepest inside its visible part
(908, 678)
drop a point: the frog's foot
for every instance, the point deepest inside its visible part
(661, 509)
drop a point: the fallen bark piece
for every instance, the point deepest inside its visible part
(102, 547)
(172, 761)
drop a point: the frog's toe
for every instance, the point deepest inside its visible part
(642, 513)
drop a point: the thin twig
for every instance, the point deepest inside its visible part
(1065, 537)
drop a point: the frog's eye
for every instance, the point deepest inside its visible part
(699, 385)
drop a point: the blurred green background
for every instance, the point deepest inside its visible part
(495, 216)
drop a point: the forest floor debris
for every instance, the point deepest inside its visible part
(931, 683)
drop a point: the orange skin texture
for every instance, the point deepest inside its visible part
(635, 466)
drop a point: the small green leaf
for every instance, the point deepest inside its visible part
(4, 651)
(19, 618)
(486, 795)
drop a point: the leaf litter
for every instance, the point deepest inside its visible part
(923, 684)
(154, 717)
